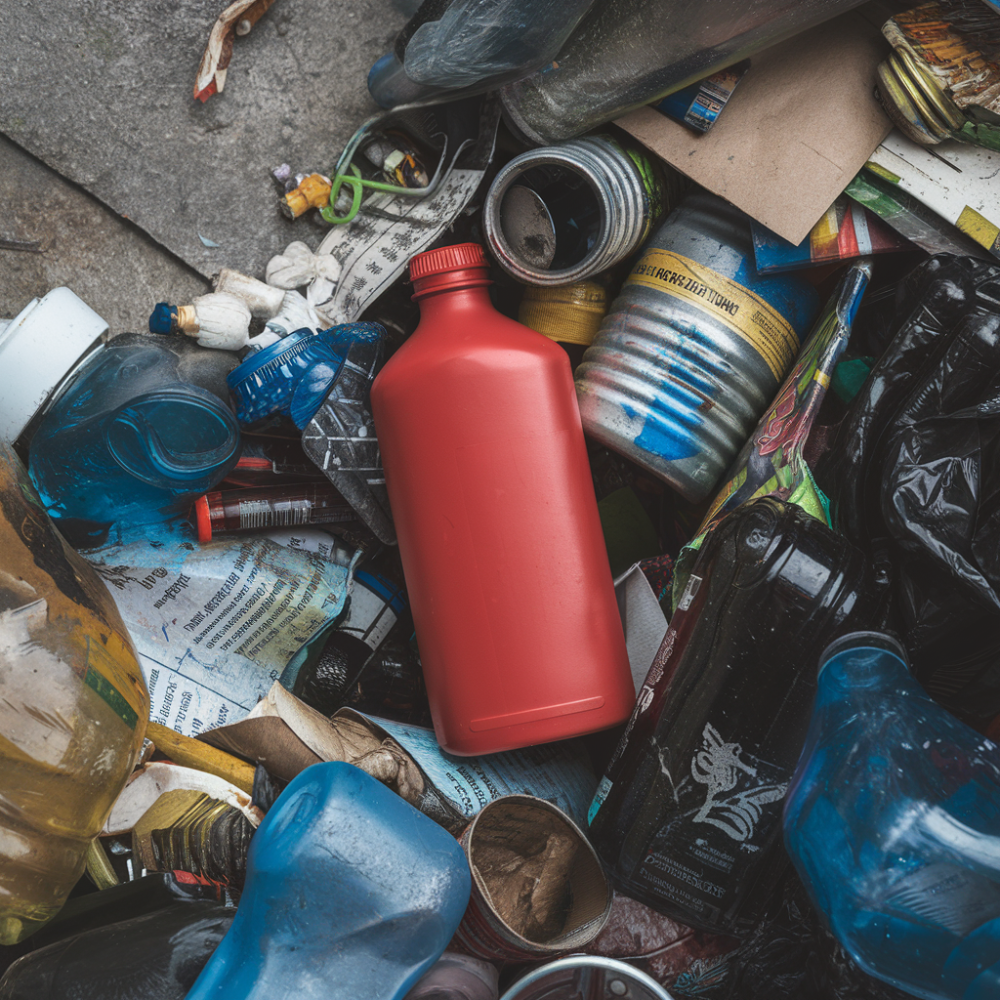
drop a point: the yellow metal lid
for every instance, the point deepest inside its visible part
(567, 313)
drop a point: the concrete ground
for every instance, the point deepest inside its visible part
(109, 262)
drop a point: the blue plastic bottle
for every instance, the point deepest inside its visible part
(893, 822)
(351, 894)
(135, 436)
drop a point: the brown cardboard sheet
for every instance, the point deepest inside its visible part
(800, 125)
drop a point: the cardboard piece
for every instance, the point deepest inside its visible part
(801, 124)
(959, 182)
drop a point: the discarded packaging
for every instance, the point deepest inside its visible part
(216, 624)
(905, 864)
(457, 977)
(957, 182)
(537, 886)
(219, 319)
(845, 232)
(912, 473)
(942, 81)
(351, 894)
(626, 53)
(800, 125)
(562, 214)
(586, 976)
(687, 816)
(452, 49)
(568, 314)
(224, 512)
(693, 349)
(287, 736)
(136, 434)
(700, 104)
(493, 485)
(73, 709)
(156, 956)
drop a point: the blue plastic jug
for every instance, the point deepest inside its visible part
(137, 434)
(893, 822)
(351, 894)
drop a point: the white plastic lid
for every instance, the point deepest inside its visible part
(44, 342)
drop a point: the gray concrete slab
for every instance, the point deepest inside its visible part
(101, 90)
(109, 262)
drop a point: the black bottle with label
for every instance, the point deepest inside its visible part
(688, 814)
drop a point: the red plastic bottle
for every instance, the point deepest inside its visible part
(502, 550)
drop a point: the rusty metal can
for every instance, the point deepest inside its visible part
(538, 888)
(693, 349)
(561, 214)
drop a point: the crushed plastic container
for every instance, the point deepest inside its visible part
(73, 708)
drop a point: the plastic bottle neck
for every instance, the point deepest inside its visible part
(467, 288)
(854, 670)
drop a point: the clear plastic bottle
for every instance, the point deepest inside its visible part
(73, 708)
(893, 822)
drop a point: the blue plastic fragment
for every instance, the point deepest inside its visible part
(351, 894)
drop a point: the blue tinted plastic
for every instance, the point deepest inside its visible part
(266, 382)
(351, 894)
(893, 822)
(131, 438)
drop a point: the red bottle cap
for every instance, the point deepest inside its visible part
(203, 519)
(453, 258)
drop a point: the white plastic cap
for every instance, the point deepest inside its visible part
(44, 342)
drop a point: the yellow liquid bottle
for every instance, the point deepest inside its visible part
(73, 708)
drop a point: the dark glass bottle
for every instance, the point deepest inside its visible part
(688, 814)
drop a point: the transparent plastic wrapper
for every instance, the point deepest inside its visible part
(73, 708)
(452, 49)
(627, 53)
(339, 435)
(891, 821)
(914, 476)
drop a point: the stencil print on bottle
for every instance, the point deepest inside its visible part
(719, 767)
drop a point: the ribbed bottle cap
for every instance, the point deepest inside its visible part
(568, 313)
(453, 258)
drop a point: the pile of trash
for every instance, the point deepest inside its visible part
(576, 575)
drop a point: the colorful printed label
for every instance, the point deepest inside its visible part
(746, 314)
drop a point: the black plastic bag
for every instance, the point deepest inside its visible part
(914, 477)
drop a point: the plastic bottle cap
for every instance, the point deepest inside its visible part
(161, 318)
(203, 519)
(453, 258)
(40, 346)
(568, 313)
